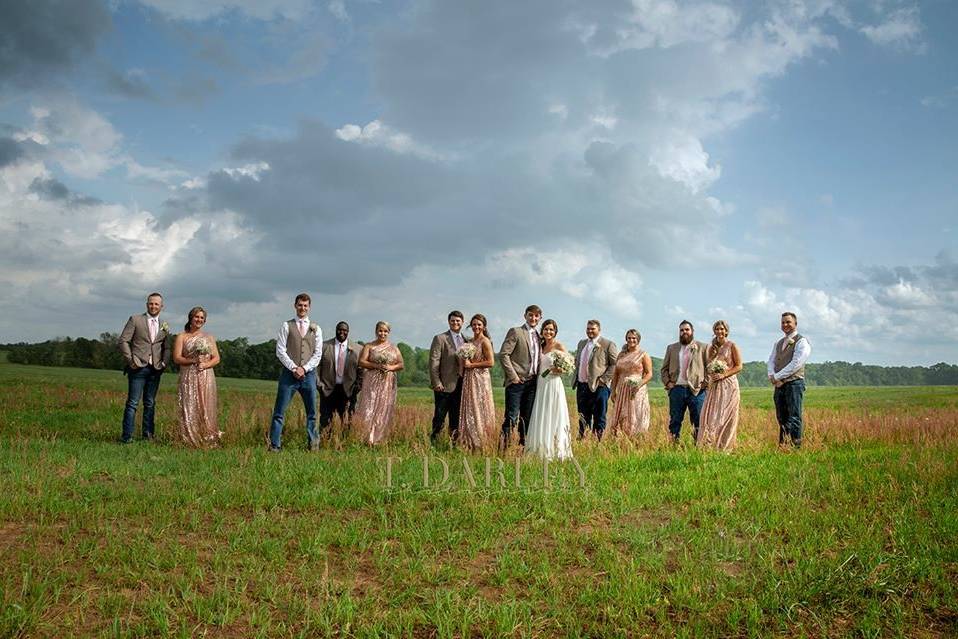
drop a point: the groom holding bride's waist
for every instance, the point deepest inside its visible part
(519, 356)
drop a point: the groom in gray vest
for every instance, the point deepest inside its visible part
(519, 357)
(143, 345)
(786, 372)
(299, 347)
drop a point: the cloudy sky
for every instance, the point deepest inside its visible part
(640, 162)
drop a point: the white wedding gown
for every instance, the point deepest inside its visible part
(549, 434)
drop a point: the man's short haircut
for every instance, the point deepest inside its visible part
(154, 294)
(790, 314)
(532, 308)
(686, 322)
(453, 314)
(594, 322)
(338, 324)
(303, 297)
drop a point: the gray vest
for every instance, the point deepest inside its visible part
(300, 349)
(783, 357)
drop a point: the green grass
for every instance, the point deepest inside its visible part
(152, 540)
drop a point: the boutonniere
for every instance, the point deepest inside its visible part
(165, 327)
(313, 327)
(790, 342)
(693, 347)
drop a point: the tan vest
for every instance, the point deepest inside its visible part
(783, 357)
(300, 349)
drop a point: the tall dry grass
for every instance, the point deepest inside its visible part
(757, 428)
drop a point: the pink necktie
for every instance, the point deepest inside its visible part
(154, 328)
(341, 361)
(302, 327)
(535, 352)
(688, 360)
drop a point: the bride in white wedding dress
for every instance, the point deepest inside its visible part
(549, 434)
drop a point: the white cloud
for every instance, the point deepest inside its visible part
(378, 134)
(252, 171)
(683, 159)
(584, 272)
(338, 9)
(902, 29)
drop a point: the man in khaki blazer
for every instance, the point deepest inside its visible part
(683, 373)
(595, 358)
(445, 378)
(143, 343)
(519, 356)
(339, 378)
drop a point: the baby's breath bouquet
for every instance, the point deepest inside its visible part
(717, 365)
(560, 360)
(467, 351)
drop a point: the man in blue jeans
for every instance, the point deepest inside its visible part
(683, 373)
(786, 372)
(299, 347)
(519, 358)
(144, 348)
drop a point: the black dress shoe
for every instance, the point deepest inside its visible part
(124, 441)
(275, 449)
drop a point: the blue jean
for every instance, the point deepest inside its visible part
(519, 400)
(142, 382)
(788, 410)
(592, 407)
(680, 398)
(289, 385)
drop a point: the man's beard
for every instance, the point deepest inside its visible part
(685, 340)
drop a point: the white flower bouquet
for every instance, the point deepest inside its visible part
(633, 382)
(560, 360)
(202, 346)
(467, 351)
(717, 365)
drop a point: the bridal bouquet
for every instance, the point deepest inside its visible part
(561, 360)
(717, 365)
(467, 351)
(202, 346)
(633, 382)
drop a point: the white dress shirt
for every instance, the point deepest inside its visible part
(284, 357)
(584, 358)
(799, 356)
(685, 353)
(341, 350)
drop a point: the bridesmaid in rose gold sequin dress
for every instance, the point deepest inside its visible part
(377, 399)
(196, 354)
(719, 421)
(631, 413)
(478, 429)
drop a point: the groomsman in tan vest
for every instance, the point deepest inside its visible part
(144, 348)
(683, 373)
(786, 372)
(444, 376)
(339, 377)
(519, 357)
(595, 358)
(298, 348)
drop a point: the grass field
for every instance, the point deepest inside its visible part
(857, 535)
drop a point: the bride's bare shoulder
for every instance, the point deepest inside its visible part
(559, 346)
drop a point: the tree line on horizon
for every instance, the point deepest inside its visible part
(258, 361)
